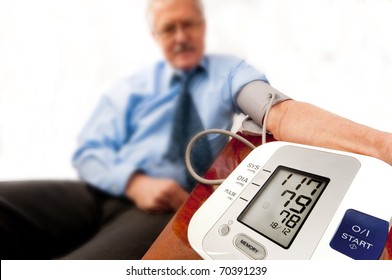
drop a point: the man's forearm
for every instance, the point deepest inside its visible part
(307, 124)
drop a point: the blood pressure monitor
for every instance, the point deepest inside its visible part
(288, 201)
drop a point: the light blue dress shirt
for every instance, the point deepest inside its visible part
(130, 129)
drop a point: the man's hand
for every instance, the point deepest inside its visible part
(154, 195)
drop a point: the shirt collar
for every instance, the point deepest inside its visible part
(173, 75)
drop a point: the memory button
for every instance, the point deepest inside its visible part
(250, 247)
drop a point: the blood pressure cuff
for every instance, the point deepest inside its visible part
(253, 100)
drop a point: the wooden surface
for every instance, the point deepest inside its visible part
(172, 243)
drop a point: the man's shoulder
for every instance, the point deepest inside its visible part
(223, 63)
(140, 81)
(223, 59)
(146, 74)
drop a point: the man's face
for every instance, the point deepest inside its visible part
(179, 29)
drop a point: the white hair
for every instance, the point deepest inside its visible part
(150, 3)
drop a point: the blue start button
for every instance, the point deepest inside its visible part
(360, 236)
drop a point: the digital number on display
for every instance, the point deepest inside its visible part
(282, 205)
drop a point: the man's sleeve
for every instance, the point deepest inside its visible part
(96, 158)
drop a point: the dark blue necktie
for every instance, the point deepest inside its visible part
(186, 124)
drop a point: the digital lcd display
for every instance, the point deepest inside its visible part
(282, 205)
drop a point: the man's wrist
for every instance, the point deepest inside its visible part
(388, 148)
(383, 147)
(129, 190)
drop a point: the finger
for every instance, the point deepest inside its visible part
(159, 206)
(159, 210)
(178, 199)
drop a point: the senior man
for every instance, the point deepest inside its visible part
(130, 152)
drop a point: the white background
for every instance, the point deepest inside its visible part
(58, 56)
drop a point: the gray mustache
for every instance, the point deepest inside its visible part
(183, 47)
